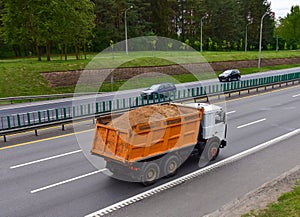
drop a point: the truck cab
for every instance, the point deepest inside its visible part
(213, 130)
(213, 122)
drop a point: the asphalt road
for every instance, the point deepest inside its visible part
(52, 177)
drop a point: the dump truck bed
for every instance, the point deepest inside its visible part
(147, 138)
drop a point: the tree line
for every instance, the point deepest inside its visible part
(35, 27)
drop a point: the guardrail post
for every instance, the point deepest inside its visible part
(110, 105)
(164, 98)
(28, 118)
(8, 122)
(56, 114)
(103, 107)
(129, 101)
(81, 110)
(118, 104)
(89, 109)
(97, 107)
(124, 103)
(142, 101)
(65, 113)
(48, 115)
(158, 98)
(19, 120)
(74, 111)
(4, 138)
(39, 117)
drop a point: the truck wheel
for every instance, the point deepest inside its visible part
(171, 165)
(211, 150)
(150, 174)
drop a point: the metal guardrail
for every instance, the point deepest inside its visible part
(34, 120)
(50, 96)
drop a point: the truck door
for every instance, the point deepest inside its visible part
(218, 129)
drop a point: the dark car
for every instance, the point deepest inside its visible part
(156, 90)
(230, 74)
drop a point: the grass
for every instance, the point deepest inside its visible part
(146, 82)
(20, 77)
(288, 205)
(252, 55)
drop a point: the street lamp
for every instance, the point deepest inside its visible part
(277, 25)
(260, 39)
(246, 36)
(206, 15)
(126, 41)
(260, 35)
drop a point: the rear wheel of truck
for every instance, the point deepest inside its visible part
(150, 174)
(171, 165)
(211, 150)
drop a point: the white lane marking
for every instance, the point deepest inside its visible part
(296, 95)
(66, 181)
(45, 159)
(190, 176)
(254, 122)
(231, 112)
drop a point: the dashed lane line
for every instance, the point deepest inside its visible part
(45, 159)
(231, 112)
(251, 123)
(296, 95)
(66, 181)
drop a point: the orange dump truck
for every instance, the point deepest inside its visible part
(150, 142)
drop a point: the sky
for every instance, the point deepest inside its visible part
(282, 7)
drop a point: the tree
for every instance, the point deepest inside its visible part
(224, 22)
(289, 27)
(81, 21)
(252, 11)
(45, 22)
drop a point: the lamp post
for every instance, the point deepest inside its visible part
(260, 35)
(201, 23)
(260, 39)
(277, 25)
(246, 35)
(126, 41)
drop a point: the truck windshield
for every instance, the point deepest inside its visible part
(220, 117)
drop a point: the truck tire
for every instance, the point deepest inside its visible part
(150, 174)
(211, 150)
(171, 165)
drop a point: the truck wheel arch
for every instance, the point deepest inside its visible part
(211, 149)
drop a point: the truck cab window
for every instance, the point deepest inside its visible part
(220, 117)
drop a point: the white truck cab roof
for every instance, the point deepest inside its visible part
(208, 108)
